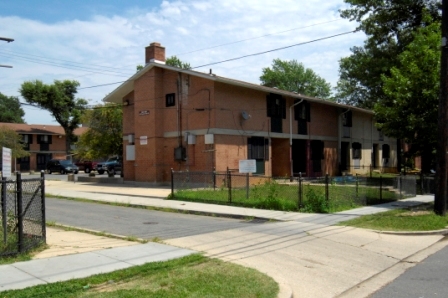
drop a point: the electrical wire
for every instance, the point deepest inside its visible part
(274, 50)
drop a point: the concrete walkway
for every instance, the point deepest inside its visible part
(304, 253)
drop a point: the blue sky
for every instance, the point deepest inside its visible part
(52, 11)
(101, 42)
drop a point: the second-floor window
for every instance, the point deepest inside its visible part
(44, 141)
(170, 100)
(27, 140)
(276, 109)
(302, 115)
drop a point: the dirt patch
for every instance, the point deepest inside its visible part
(415, 213)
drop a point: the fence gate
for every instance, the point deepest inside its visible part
(22, 214)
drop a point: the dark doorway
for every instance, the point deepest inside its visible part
(299, 154)
(24, 163)
(41, 160)
(345, 156)
(375, 156)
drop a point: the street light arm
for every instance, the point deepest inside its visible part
(7, 39)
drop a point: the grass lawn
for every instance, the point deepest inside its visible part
(285, 197)
(420, 218)
(191, 276)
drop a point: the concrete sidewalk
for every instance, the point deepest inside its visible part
(48, 270)
(304, 253)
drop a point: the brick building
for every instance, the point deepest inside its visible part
(188, 120)
(44, 142)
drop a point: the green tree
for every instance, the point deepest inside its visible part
(59, 99)
(176, 62)
(105, 134)
(410, 106)
(389, 26)
(171, 61)
(293, 76)
(12, 140)
(10, 109)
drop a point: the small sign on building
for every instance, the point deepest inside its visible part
(143, 140)
(143, 112)
(248, 166)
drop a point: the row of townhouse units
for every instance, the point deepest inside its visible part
(43, 142)
(192, 121)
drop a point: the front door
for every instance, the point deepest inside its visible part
(41, 160)
(345, 156)
(299, 161)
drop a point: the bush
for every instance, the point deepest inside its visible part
(315, 203)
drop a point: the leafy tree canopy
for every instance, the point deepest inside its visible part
(389, 26)
(171, 61)
(12, 140)
(176, 62)
(10, 109)
(409, 110)
(293, 76)
(105, 135)
(59, 99)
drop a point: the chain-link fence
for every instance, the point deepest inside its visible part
(22, 214)
(322, 194)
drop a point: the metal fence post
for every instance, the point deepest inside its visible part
(400, 186)
(229, 184)
(247, 185)
(300, 191)
(214, 178)
(172, 183)
(357, 186)
(20, 209)
(42, 197)
(326, 187)
(4, 213)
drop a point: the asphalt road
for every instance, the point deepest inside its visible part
(426, 279)
(141, 223)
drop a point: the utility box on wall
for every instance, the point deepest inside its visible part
(191, 139)
(208, 139)
(180, 153)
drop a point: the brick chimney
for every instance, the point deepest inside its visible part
(154, 53)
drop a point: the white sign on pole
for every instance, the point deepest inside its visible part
(6, 162)
(248, 166)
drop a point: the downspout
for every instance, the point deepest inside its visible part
(290, 139)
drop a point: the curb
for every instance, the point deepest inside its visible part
(443, 232)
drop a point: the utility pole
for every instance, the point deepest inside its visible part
(440, 200)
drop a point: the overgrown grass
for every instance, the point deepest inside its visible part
(420, 218)
(285, 197)
(191, 276)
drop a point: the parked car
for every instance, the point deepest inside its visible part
(111, 166)
(61, 166)
(86, 165)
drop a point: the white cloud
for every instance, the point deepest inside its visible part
(112, 46)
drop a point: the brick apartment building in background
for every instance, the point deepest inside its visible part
(43, 142)
(187, 120)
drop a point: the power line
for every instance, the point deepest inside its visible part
(257, 37)
(73, 67)
(241, 57)
(274, 50)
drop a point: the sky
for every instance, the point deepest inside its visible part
(99, 43)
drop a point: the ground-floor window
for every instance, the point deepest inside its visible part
(258, 149)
